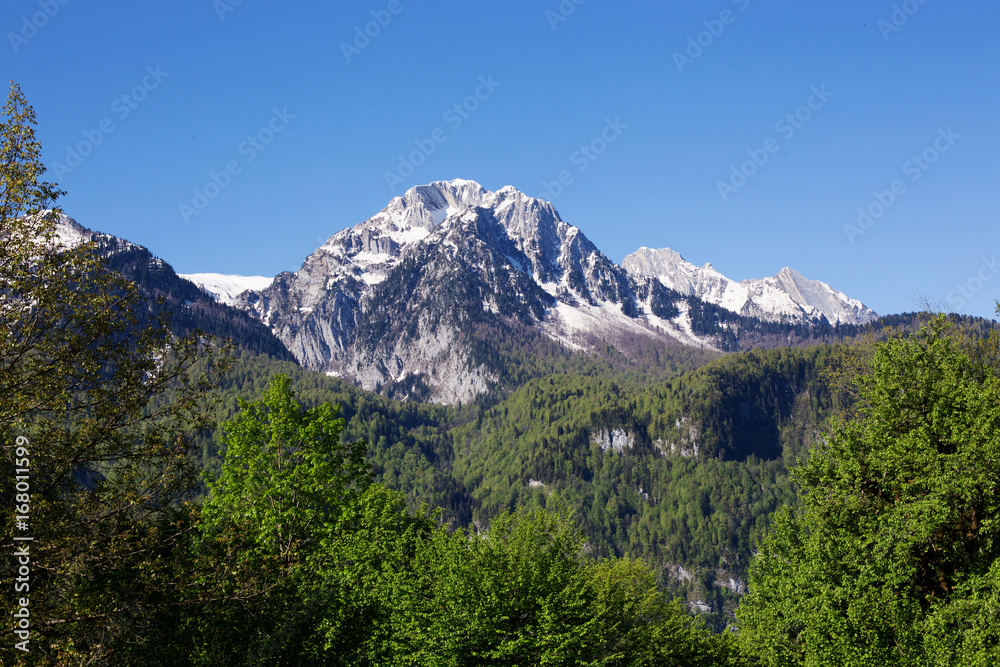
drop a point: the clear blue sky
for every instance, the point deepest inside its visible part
(556, 84)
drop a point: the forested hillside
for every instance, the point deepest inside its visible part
(683, 473)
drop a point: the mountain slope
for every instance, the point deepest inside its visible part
(189, 306)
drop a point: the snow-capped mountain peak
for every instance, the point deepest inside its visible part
(428, 206)
(424, 288)
(786, 296)
(369, 250)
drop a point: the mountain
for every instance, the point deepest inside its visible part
(189, 306)
(439, 295)
(788, 296)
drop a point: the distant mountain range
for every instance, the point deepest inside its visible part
(787, 297)
(443, 292)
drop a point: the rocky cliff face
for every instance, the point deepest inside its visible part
(410, 299)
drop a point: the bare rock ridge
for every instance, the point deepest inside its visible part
(190, 305)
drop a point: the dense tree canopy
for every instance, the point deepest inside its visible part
(524, 593)
(368, 582)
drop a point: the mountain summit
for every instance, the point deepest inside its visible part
(439, 294)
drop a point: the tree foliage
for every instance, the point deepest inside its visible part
(286, 474)
(666, 504)
(333, 569)
(310, 541)
(524, 592)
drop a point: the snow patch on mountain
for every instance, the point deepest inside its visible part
(579, 325)
(226, 287)
(70, 233)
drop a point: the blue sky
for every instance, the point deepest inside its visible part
(820, 108)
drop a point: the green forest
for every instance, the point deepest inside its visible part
(540, 447)
(171, 498)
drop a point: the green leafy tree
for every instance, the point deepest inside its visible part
(515, 595)
(893, 557)
(309, 539)
(641, 626)
(287, 478)
(83, 388)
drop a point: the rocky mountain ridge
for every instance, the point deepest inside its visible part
(787, 296)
